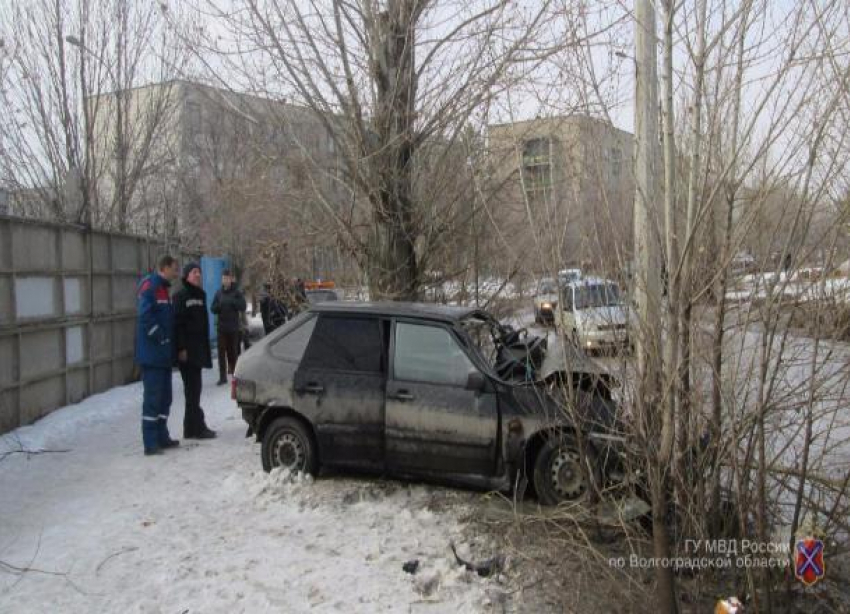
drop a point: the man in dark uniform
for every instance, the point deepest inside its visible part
(228, 304)
(272, 310)
(192, 337)
(155, 354)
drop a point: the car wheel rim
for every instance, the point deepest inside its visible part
(566, 474)
(289, 452)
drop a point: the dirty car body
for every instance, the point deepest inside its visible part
(427, 391)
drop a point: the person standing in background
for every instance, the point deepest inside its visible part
(229, 305)
(192, 338)
(155, 353)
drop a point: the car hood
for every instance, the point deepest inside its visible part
(598, 316)
(566, 358)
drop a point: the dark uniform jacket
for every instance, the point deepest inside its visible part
(154, 329)
(273, 313)
(228, 306)
(192, 325)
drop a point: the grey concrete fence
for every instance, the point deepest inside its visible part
(67, 314)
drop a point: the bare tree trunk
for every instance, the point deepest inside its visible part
(686, 287)
(671, 340)
(120, 129)
(394, 273)
(647, 294)
(722, 284)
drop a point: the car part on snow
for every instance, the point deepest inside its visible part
(486, 569)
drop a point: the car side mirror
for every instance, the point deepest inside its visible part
(475, 381)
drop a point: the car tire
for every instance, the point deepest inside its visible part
(287, 443)
(558, 477)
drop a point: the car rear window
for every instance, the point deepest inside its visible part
(345, 344)
(292, 345)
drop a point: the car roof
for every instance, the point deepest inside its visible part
(429, 311)
(590, 281)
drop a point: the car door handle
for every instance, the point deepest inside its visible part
(403, 395)
(313, 388)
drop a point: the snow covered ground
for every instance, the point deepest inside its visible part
(202, 529)
(804, 285)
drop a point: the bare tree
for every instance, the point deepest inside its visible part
(80, 143)
(396, 85)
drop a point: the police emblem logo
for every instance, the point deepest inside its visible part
(809, 566)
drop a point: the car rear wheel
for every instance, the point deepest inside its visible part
(558, 475)
(287, 443)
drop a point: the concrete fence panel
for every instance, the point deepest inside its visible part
(67, 314)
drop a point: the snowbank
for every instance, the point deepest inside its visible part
(203, 529)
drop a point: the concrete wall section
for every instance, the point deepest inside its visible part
(67, 314)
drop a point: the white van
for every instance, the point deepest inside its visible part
(595, 314)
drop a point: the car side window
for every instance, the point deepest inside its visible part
(429, 354)
(345, 344)
(292, 345)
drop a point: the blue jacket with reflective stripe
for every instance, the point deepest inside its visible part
(155, 327)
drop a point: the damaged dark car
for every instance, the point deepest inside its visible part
(429, 392)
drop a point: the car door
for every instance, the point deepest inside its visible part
(340, 383)
(434, 422)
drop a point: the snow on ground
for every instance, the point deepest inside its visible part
(804, 284)
(203, 529)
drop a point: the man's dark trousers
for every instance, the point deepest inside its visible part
(228, 352)
(193, 419)
(156, 405)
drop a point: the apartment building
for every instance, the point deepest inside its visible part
(564, 188)
(208, 165)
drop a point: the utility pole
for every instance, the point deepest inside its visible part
(647, 282)
(647, 287)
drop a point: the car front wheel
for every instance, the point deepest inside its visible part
(558, 475)
(287, 443)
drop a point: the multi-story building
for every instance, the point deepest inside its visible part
(564, 190)
(209, 165)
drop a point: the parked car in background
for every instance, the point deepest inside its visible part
(593, 312)
(546, 301)
(743, 264)
(319, 296)
(568, 276)
(428, 391)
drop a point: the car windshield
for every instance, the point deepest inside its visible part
(568, 276)
(476, 333)
(547, 286)
(597, 295)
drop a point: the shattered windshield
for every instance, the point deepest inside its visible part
(478, 337)
(597, 295)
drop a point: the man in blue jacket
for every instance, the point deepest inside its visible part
(155, 353)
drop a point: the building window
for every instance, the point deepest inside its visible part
(616, 161)
(537, 166)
